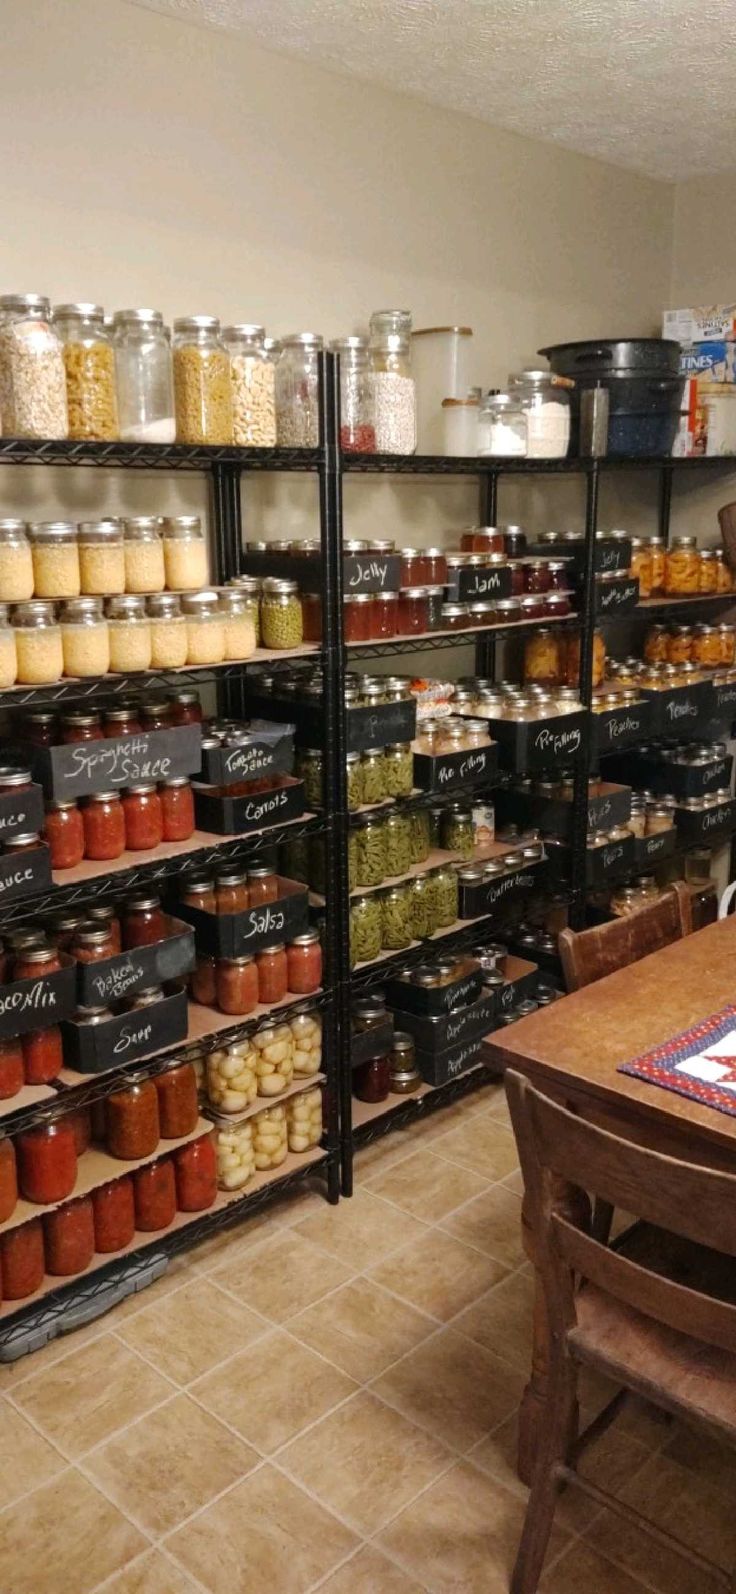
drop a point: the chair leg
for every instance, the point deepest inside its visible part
(554, 1443)
(602, 1220)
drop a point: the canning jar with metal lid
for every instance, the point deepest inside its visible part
(205, 625)
(101, 557)
(297, 391)
(457, 832)
(502, 427)
(706, 645)
(727, 643)
(724, 581)
(304, 963)
(186, 564)
(202, 387)
(129, 633)
(89, 366)
(84, 638)
(145, 388)
(144, 921)
(454, 617)
(32, 381)
(237, 609)
(682, 567)
(357, 404)
(405, 1077)
(357, 607)
(252, 377)
(508, 611)
(707, 571)
(55, 558)
(132, 1126)
(394, 393)
(641, 565)
(16, 562)
(544, 658)
(38, 644)
(168, 631)
(143, 554)
(547, 408)
(281, 614)
(143, 818)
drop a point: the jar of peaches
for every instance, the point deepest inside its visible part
(682, 567)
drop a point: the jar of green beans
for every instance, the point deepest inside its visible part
(419, 835)
(373, 775)
(419, 908)
(457, 832)
(432, 901)
(371, 870)
(399, 769)
(398, 844)
(366, 921)
(309, 765)
(436, 815)
(446, 886)
(354, 782)
(395, 928)
(352, 859)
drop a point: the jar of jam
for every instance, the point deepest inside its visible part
(185, 709)
(154, 1194)
(64, 833)
(178, 1108)
(113, 1214)
(536, 575)
(69, 1238)
(514, 541)
(517, 579)
(411, 571)
(81, 728)
(40, 729)
(92, 943)
(372, 1080)
(11, 1069)
(454, 617)
(8, 1180)
(304, 963)
(132, 1128)
(203, 981)
(105, 913)
(231, 891)
(81, 1122)
(104, 826)
(413, 611)
(559, 575)
(158, 715)
(143, 818)
(237, 985)
(47, 1162)
(681, 567)
(195, 1172)
(199, 892)
(21, 1261)
(357, 616)
(384, 616)
(263, 885)
(273, 974)
(557, 605)
(121, 722)
(177, 808)
(43, 1055)
(144, 922)
(483, 539)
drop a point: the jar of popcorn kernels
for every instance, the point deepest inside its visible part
(270, 1138)
(236, 1161)
(304, 1120)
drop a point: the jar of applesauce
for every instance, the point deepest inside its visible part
(682, 567)
(655, 644)
(641, 565)
(680, 644)
(543, 658)
(38, 644)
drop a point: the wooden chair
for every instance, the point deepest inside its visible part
(656, 1313)
(590, 954)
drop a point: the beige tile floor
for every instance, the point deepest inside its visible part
(325, 1399)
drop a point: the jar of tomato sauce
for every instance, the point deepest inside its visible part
(186, 708)
(11, 1068)
(64, 834)
(132, 1127)
(156, 715)
(106, 914)
(144, 922)
(232, 894)
(237, 984)
(263, 885)
(14, 780)
(43, 1055)
(81, 1122)
(195, 1171)
(92, 943)
(304, 963)
(81, 728)
(104, 826)
(47, 1162)
(40, 729)
(178, 1107)
(273, 973)
(121, 722)
(8, 1179)
(203, 981)
(177, 808)
(21, 1261)
(69, 1238)
(113, 1213)
(154, 1192)
(143, 818)
(32, 962)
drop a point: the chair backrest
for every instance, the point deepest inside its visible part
(589, 954)
(564, 1161)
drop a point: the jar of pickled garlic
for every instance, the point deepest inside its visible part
(306, 1032)
(236, 608)
(202, 386)
(706, 645)
(39, 653)
(707, 571)
(143, 554)
(304, 1120)
(544, 657)
(129, 630)
(270, 1138)
(84, 638)
(727, 640)
(656, 644)
(16, 562)
(55, 559)
(682, 567)
(274, 1046)
(101, 557)
(185, 553)
(598, 669)
(724, 582)
(8, 650)
(680, 644)
(641, 565)
(169, 644)
(205, 624)
(89, 366)
(231, 1076)
(235, 1156)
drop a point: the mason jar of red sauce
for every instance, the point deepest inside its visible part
(81, 728)
(92, 943)
(64, 926)
(32, 962)
(203, 981)
(156, 715)
(177, 808)
(178, 1107)
(304, 963)
(69, 1238)
(47, 1162)
(154, 1190)
(195, 1171)
(40, 729)
(143, 818)
(132, 1127)
(231, 891)
(8, 1179)
(107, 915)
(113, 1212)
(121, 722)
(81, 1122)
(11, 1068)
(104, 826)
(273, 973)
(21, 1261)
(19, 845)
(263, 885)
(144, 922)
(186, 708)
(237, 985)
(43, 1055)
(64, 833)
(14, 780)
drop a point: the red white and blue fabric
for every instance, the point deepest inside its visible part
(699, 1063)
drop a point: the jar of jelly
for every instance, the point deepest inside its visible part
(21, 1261)
(154, 1194)
(47, 1162)
(178, 1108)
(177, 808)
(113, 1215)
(357, 607)
(69, 1238)
(8, 1180)
(144, 922)
(195, 1173)
(483, 539)
(384, 616)
(273, 973)
(237, 984)
(536, 575)
(304, 963)
(411, 567)
(64, 833)
(104, 826)
(132, 1127)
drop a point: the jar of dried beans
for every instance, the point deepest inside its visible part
(393, 383)
(32, 381)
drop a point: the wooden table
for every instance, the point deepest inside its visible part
(573, 1049)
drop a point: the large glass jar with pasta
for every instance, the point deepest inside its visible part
(641, 565)
(129, 632)
(598, 670)
(84, 637)
(365, 928)
(297, 391)
(185, 553)
(101, 558)
(681, 567)
(38, 644)
(89, 365)
(32, 380)
(544, 658)
(202, 387)
(205, 628)
(169, 644)
(236, 608)
(253, 386)
(395, 926)
(372, 868)
(16, 562)
(55, 559)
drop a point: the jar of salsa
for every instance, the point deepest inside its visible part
(144, 922)
(92, 943)
(177, 808)
(231, 891)
(81, 1122)
(357, 608)
(237, 984)
(107, 915)
(304, 963)
(47, 1162)
(132, 1127)
(186, 708)
(154, 1193)
(81, 728)
(8, 1179)
(143, 818)
(371, 1080)
(199, 892)
(104, 826)
(64, 834)
(40, 729)
(43, 1055)
(413, 611)
(113, 1213)
(384, 616)
(273, 973)
(178, 1107)
(203, 981)
(69, 1238)
(157, 714)
(21, 1261)
(263, 885)
(11, 1068)
(120, 722)
(195, 1171)
(31, 962)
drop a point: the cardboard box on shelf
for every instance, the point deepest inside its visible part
(698, 324)
(707, 425)
(714, 360)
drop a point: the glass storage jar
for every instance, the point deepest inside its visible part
(40, 658)
(89, 367)
(231, 890)
(64, 833)
(168, 626)
(418, 908)
(395, 926)
(544, 658)
(8, 650)
(236, 1162)
(384, 616)
(372, 1080)
(398, 769)
(55, 558)
(32, 382)
(85, 640)
(11, 1070)
(727, 637)
(707, 571)
(502, 426)
(144, 922)
(145, 384)
(241, 639)
(707, 645)
(236, 984)
(143, 818)
(16, 562)
(231, 1076)
(656, 644)
(304, 1120)
(253, 386)
(373, 775)
(371, 852)
(177, 809)
(104, 826)
(43, 1057)
(185, 553)
(297, 391)
(304, 963)
(405, 1077)
(195, 1172)
(101, 557)
(457, 832)
(357, 612)
(21, 1261)
(397, 840)
(598, 668)
(281, 614)
(413, 611)
(132, 1125)
(113, 1212)
(270, 1139)
(419, 834)
(641, 565)
(724, 582)
(393, 383)
(274, 1048)
(306, 1032)
(681, 567)
(353, 782)
(81, 727)
(357, 407)
(365, 929)
(547, 409)
(129, 634)
(680, 643)
(309, 764)
(273, 973)
(205, 624)
(47, 1162)
(8, 1180)
(311, 616)
(202, 387)
(446, 895)
(143, 554)
(154, 1195)
(69, 1238)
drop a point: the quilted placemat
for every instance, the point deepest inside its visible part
(700, 1063)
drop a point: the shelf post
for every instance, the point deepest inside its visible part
(587, 632)
(665, 502)
(488, 498)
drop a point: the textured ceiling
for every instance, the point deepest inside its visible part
(647, 84)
